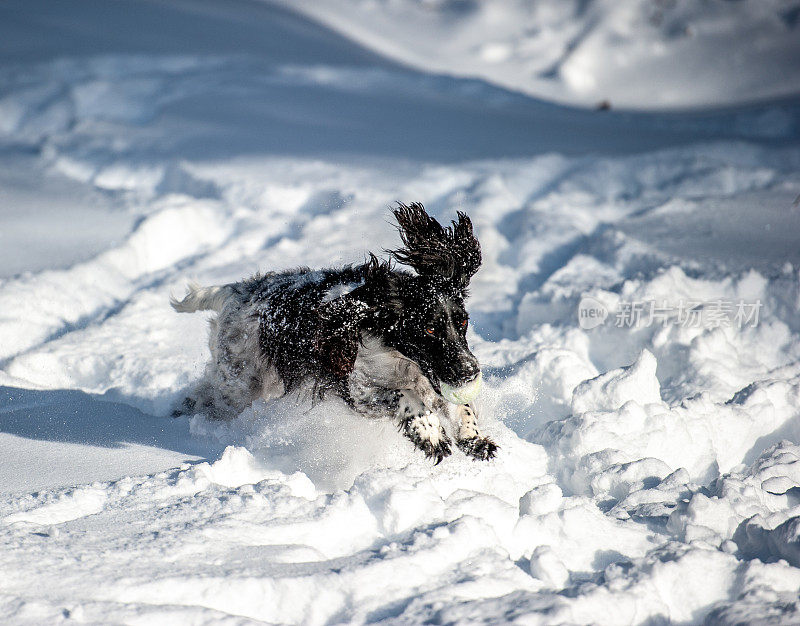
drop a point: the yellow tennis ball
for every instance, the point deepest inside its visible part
(463, 394)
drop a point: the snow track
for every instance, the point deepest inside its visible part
(648, 472)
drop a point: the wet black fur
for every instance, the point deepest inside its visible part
(308, 339)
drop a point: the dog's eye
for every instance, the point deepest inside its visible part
(430, 331)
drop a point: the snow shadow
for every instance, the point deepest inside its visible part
(253, 78)
(71, 416)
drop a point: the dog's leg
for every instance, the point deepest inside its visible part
(221, 394)
(470, 439)
(421, 426)
(374, 403)
(415, 420)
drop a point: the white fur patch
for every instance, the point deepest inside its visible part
(199, 298)
(422, 421)
(468, 424)
(342, 289)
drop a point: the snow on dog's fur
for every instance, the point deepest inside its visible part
(383, 339)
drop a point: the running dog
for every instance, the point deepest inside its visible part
(390, 343)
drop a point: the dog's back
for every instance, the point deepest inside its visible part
(296, 324)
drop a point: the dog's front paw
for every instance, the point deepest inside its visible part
(470, 439)
(422, 427)
(479, 448)
(436, 451)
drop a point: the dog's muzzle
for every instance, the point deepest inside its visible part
(463, 394)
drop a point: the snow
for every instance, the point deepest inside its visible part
(649, 465)
(634, 54)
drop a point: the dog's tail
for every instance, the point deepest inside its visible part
(199, 298)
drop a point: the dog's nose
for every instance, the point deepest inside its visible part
(471, 371)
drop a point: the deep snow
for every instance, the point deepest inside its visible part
(649, 473)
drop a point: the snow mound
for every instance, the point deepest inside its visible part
(633, 54)
(608, 392)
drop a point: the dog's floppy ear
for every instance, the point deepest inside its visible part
(452, 252)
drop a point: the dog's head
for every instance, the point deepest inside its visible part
(432, 322)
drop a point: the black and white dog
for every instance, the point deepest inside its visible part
(389, 342)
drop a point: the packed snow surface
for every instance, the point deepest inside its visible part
(636, 316)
